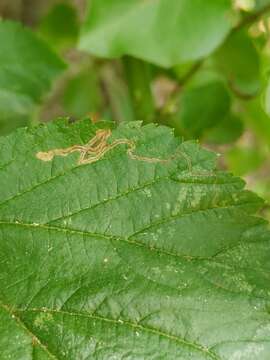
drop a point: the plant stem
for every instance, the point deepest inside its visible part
(248, 20)
(252, 18)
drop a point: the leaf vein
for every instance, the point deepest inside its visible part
(133, 325)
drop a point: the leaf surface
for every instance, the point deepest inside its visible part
(243, 76)
(27, 68)
(160, 31)
(203, 106)
(60, 26)
(146, 251)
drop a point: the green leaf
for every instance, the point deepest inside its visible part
(202, 107)
(267, 99)
(27, 68)
(142, 251)
(117, 94)
(239, 61)
(242, 161)
(139, 75)
(60, 27)
(82, 94)
(257, 119)
(160, 31)
(260, 4)
(228, 130)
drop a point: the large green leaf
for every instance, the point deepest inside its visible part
(160, 31)
(141, 251)
(27, 68)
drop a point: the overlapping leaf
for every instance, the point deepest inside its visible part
(243, 76)
(27, 68)
(160, 31)
(145, 252)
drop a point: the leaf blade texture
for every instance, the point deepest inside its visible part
(28, 68)
(156, 31)
(145, 254)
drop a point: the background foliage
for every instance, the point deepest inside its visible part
(200, 66)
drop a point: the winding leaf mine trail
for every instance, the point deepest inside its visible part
(96, 148)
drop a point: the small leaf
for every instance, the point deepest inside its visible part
(160, 31)
(203, 107)
(139, 75)
(144, 251)
(257, 119)
(117, 94)
(227, 130)
(82, 95)
(244, 160)
(239, 61)
(60, 27)
(27, 68)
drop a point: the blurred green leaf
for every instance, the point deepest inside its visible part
(228, 130)
(161, 31)
(82, 94)
(239, 61)
(181, 70)
(242, 161)
(257, 119)
(267, 99)
(259, 4)
(60, 27)
(116, 93)
(27, 68)
(138, 76)
(203, 107)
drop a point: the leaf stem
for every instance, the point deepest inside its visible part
(197, 65)
(249, 20)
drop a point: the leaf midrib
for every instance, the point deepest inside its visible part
(34, 338)
(118, 322)
(127, 239)
(133, 190)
